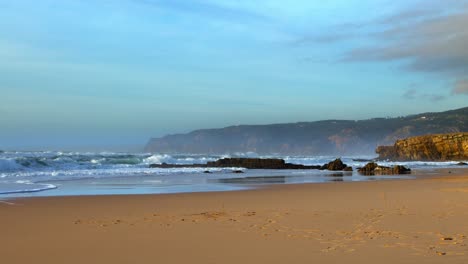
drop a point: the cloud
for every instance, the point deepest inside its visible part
(414, 94)
(410, 94)
(428, 42)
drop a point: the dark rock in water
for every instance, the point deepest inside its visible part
(336, 165)
(439, 147)
(368, 168)
(462, 164)
(237, 171)
(373, 168)
(399, 169)
(171, 166)
(256, 163)
(248, 163)
(363, 160)
(207, 171)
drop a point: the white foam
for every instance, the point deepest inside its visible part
(182, 159)
(25, 187)
(158, 159)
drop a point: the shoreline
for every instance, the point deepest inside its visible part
(395, 221)
(244, 186)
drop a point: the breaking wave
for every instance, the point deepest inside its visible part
(24, 171)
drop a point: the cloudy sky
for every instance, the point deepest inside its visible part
(114, 73)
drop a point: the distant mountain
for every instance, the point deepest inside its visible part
(329, 137)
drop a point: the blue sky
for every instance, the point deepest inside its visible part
(86, 73)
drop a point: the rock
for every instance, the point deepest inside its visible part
(348, 169)
(368, 169)
(438, 147)
(169, 166)
(399, 169)
(462, 164)
(248, 163)
(237, 171)
(373, 168)
(362, 160)
(336, 165)
(257, 163)
(207, 171)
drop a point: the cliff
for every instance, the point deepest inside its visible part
(329, 137)
(439, 147)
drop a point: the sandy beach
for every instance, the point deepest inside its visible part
(397, 221)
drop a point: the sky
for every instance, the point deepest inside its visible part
(87, 74)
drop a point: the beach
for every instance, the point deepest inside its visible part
(424, 220)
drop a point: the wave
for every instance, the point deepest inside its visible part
(178, 159)
(9, 165)
(22, 172)
(49, 165)
(26, 187)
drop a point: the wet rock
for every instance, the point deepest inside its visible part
(362, 160)
(399, 169)
(373, 168)
(336, 165)
(257, 163)
(248, 163)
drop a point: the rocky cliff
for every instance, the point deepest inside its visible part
(329, 137)
(438, 147)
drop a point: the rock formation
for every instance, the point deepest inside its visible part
(438, 147)
(373, 168)
(256, 163)
(248, 163)
(336, 165)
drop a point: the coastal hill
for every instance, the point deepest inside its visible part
(329, 137)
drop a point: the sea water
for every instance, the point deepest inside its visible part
(52, 173)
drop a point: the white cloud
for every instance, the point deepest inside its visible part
(430, 44)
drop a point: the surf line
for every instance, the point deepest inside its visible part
(8, 203)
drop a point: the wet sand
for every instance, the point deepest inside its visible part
(397, 221)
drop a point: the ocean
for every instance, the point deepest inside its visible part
(54, 173)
